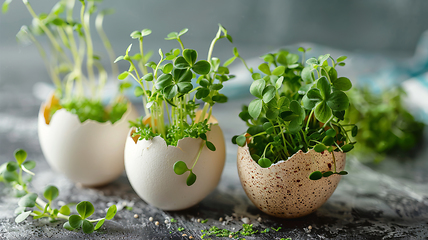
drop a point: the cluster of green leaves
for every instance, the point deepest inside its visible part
(70, 48)
(297, 107)
(95, 110)
(30, 204)
(85, 210)
(180, 229)
(197, 130)
(11, 172)
(385, 125)
(142, 131)
(247, 230)
(167, 91)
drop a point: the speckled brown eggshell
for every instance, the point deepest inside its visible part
(284, 189)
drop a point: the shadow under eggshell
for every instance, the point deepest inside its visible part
(284, 189)
(149, 167)
(89, 153)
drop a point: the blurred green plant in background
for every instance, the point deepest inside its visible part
(386, 126)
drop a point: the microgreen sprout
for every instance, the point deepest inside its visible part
(169, 97)
(268, 229)
(247, 230)
(31, 204)
(69, 54)
(298, 106)
(276, 229)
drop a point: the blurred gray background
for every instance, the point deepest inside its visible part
(384, 27)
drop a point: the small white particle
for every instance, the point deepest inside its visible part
(220, 219)
(259, 219)
(157, 223)
(310, 227)
(199, 220)
(230, 236)
(166, 221)
(135, 215)
(150, 219)
(245, 220)
(229, 218)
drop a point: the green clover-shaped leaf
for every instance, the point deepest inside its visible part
(322, 112)
(191, 179)
(20, 156)
(28, 200)
(317, 175)
(202, 67)
(51, 192)
(180, 168)
(264, 162)
(190, 55)
(324, 86)
(265, 69)
(255, 108)
(180, 62)
(342, 83)
(163, 81)
(85, 209)
(257, 87)
(268, 93)
(338, 101)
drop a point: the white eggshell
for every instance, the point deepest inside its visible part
(149, 166)
(89, 153)
(284, 189)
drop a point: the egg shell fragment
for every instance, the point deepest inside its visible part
(284, 189)
(149, 167)
(89, 153)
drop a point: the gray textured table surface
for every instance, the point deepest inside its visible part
(388, 201)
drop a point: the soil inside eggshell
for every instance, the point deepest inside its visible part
(284, 189)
